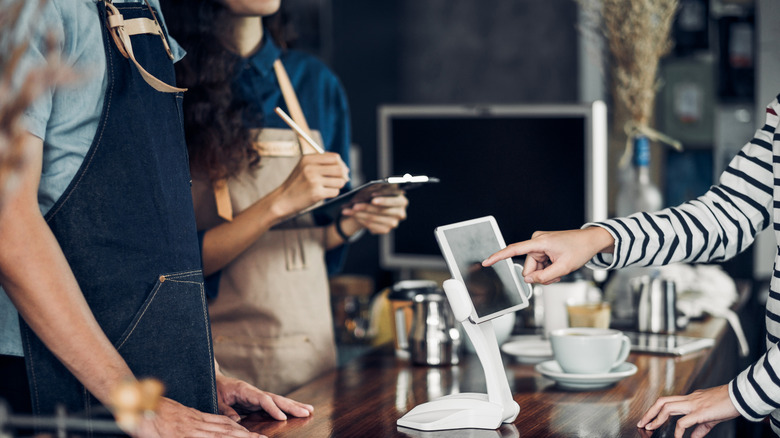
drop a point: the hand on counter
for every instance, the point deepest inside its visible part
(174, 419)
(703, 409)
(235, 394)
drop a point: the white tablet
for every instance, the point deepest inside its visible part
(495, 290)
(667, 344)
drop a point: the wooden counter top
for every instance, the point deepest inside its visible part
(366, 396)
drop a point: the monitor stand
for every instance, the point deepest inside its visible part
(469, 410)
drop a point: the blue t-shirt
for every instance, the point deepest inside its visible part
(66, 117)
(322, 98)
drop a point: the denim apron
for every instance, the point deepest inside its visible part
(126, 226)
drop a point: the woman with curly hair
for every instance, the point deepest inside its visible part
(271, 322)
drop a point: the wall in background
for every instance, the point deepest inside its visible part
(462, 51)
(527, 51)
(445, 51)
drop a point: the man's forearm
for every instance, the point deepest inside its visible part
(38, 280)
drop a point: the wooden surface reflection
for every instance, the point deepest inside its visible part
(368, 395)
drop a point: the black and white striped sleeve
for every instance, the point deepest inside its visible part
(755, 392)
(714, 227)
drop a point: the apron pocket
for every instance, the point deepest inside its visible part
(169, 339)
(182, 283)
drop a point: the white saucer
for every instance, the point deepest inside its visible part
(552, 370)
(528, 349)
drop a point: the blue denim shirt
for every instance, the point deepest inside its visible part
(66, 118)
(322, 99)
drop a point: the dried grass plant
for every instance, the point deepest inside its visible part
(14, 99)
(638, 36)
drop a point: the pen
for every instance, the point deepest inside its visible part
(298, 129)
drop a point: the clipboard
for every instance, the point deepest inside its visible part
(328, 211)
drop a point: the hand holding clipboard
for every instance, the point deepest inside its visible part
(391, 186)
(330, 209)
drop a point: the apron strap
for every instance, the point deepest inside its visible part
(222, 196)
(291, 99)
(122, 29)
(220, 187)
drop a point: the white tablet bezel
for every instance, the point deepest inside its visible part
(452, 264)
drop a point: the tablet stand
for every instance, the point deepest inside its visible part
(469, 410)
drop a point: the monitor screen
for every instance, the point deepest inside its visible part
(532, 167)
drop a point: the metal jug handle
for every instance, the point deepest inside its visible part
(400, 328)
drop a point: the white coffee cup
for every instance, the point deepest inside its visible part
(586, 350)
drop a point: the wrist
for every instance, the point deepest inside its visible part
(277, 205)
(603, 239)
(348, 228)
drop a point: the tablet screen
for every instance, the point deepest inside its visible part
(494, 289)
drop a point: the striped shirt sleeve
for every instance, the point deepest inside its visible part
(755, 392)
(713, 227)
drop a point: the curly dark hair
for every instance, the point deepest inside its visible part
(216, 122)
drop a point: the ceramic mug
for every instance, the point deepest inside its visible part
(589, 313)
(586, 350)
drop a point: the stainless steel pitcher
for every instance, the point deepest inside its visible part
(434, 338)
(657, 311)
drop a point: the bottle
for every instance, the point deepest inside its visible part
(637, 192)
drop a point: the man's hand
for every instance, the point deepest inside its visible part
(233, 393)
(175, 420)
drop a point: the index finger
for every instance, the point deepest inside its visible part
(293, 407)
(392, 200)
(655, 411)
(515, 249)
(334, 159)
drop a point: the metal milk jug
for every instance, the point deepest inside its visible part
(401, 298)
(657, 311)
(434, 338)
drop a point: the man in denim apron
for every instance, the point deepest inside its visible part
(119, 293)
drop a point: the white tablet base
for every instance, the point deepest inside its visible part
(469, 410)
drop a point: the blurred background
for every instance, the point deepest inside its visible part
(714, 84)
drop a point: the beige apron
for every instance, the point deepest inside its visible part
(271, 323)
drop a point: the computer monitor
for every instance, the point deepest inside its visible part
(532, 167)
